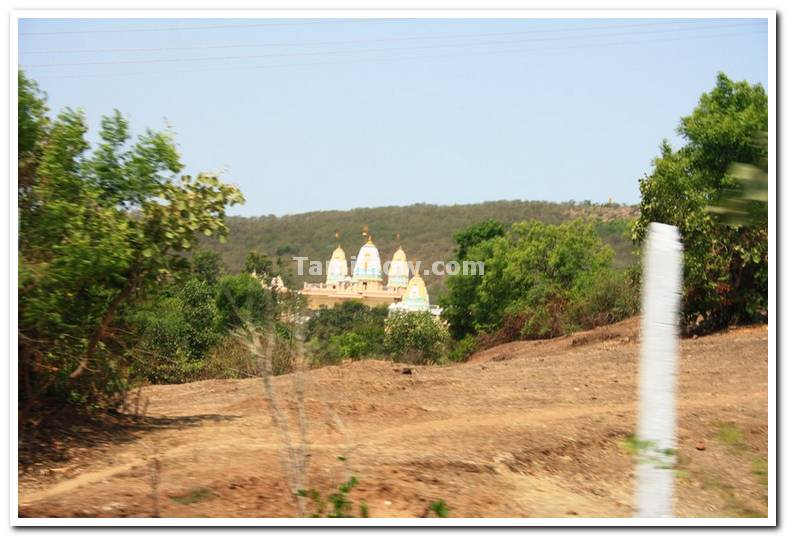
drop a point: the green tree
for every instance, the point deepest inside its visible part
(349, 330)
(98, 231)
(725, 266)
(415, 337)
(476, 234)
(241, 298)
(177, 331)
(207, 266)
(537, 279)
(259, 264)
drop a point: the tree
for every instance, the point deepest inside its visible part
(241, 298)
(259, 264)
(537, 279)
(476, 234)
(725, 266)
(177, 330)
(415, 336)
(207, 266)
(98, 231)
(348, 330)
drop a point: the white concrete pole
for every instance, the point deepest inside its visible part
(656, 440)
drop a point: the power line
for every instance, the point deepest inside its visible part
(374, 40)
(190, 28)
(388, 49)
(403, 58)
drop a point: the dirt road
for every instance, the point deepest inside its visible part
(527, 429)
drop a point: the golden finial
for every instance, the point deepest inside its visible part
(399, 239)
(338, 244)
(366, 234)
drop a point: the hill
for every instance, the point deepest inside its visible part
(426, 230)
(534, 429)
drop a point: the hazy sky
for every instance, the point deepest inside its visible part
(313, 114)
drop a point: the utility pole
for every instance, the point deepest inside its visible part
(656, 439)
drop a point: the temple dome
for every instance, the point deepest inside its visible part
(337, 267)
(398, 271)
(415, 297)
(367, 265)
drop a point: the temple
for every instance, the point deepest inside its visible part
(367, 283)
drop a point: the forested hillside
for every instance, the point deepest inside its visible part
(426, 230)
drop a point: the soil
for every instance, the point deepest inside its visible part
(526, 429)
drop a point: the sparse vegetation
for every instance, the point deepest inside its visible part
(439, 508)
(730, 435)
(196, 495)
(341, 506)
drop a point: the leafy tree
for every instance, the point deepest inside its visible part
(241, 298)
(476, 234)
(349, 330)
(537, 279)
(177, 332)
(725, 266)
(259, 264)
(207, 266)
(415, 336)
(98, 231)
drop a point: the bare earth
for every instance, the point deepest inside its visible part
(527, 429)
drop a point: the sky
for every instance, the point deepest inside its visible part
(309, 114)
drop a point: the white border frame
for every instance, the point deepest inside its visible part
(770, 14)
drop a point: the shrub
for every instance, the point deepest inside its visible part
(416, 337)
(462, 349)
(613, 298)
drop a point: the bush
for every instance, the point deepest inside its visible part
(462, 349)
(415, 337)
(613, 298)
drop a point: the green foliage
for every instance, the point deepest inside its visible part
(341, 506)
(439, 508)
(415, 337)
(259, 264)
(730, 434)
(207, 266)
(725, 266)
(462, 349)
(177, 332)
(476, 234)
(350, 330)
(539, 281)
(98, 232)
(241, 298)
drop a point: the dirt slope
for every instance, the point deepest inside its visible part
(532, 429)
